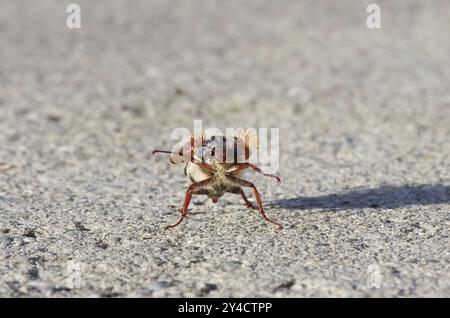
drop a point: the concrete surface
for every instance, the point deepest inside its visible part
(364, 118)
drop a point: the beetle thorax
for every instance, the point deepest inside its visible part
(216, 150)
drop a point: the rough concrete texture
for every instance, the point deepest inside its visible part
(364, 118)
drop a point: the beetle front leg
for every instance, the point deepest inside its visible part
(207, 167)
(187, 199)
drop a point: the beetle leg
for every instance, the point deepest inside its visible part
(247, 202)
(206, 167)
(242, 166)
(187, 199)
(239, 190)
(248, 184)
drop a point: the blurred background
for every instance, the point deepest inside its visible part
(364, 112)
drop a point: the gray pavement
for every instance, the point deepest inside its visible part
(364, 118)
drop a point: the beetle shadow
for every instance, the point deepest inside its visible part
(387, 197)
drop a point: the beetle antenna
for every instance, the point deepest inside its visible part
(162, 151)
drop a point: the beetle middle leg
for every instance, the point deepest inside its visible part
(248, 184)
(193, 188)
(242, 166)
(248, 204)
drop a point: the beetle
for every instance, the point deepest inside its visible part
(213, 175)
